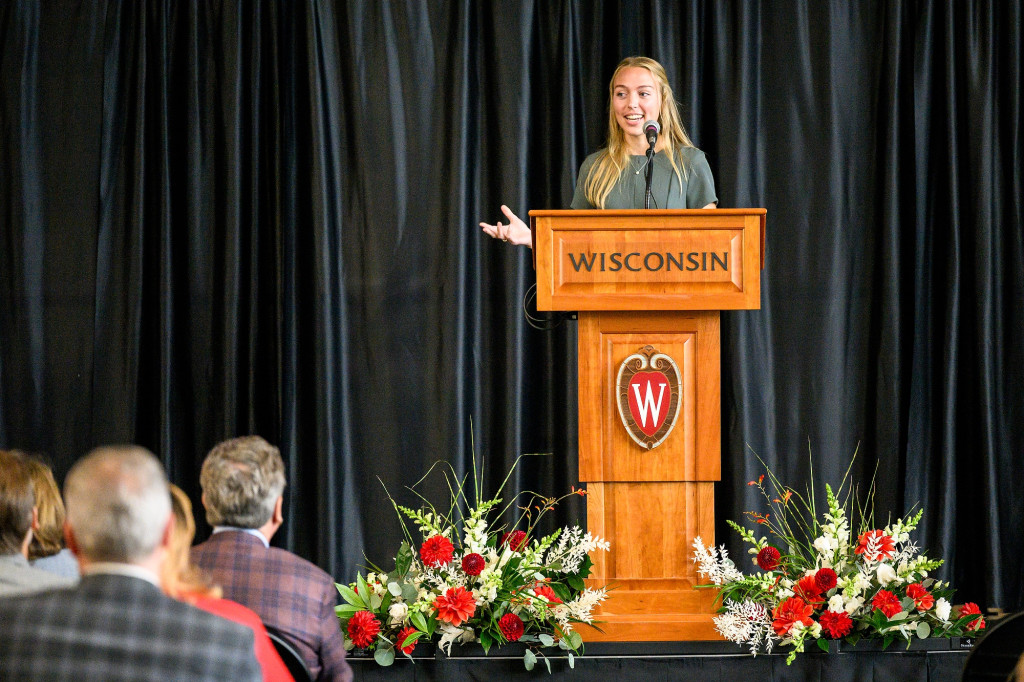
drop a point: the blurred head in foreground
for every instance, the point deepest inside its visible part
(118, 507)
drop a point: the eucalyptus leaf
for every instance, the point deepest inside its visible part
(924, 630)
(384, 657)
(375, 601)
(547, 662)
(529, 660)
(902, 615)
(546, 640)
(576, 639)
(409, 592)
(395, 589)
(572, 661)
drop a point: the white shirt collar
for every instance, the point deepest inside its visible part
(250, 531)
(130, 570)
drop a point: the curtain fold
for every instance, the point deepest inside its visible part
(218, 219)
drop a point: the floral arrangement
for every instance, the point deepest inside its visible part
(474, 580)
(821, 581)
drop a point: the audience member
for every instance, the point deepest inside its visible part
(47, 550)
(18, 521)
(243, 482)
(117, 624)
(182, 580)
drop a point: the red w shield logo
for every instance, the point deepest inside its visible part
(648, 400)
(648, 397)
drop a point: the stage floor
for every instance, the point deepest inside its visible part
(671, 661)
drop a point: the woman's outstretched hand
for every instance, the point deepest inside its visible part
(515, 232)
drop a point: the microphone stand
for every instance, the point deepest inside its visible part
(649, 175)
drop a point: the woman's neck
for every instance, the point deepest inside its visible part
(640, 148)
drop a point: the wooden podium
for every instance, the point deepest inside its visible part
(650, 283)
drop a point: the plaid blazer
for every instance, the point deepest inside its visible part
(114, 627)
(291, 595)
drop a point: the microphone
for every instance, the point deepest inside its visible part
(651, 130)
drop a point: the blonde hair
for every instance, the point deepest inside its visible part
(48, 539)
(613, 159)
(180, 577)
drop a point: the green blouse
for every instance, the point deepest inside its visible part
(697, 190)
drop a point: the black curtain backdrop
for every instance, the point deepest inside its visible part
(220, 218)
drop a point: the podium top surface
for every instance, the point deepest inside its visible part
(647, 212)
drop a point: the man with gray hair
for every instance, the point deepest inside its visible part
(117, 624)
(243, 485)
(18, 521)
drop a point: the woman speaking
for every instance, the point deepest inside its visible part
(615, 177)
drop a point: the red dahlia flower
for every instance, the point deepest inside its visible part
(923, 599)
(437, 551)
(836, 625)
(363, 628)
(826, 579)
(511, 627)
(473, 564)
(768, 558)
(548, 593)
(789, 613)
(400, 640)
(455, 606)
(887, 602)
(808, 590)
(970, 609)
(876, 545)
(516, 540)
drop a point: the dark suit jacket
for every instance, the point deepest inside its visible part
(290, 594)
(113, 627)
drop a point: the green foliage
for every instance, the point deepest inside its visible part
(384, 656)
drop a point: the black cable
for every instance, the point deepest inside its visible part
(544, 324)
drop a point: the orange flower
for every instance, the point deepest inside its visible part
(875, 545)
(789, 613)
(548, 593)
(809, 590)
(923, 599)
(455, 606)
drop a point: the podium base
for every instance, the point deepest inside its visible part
(652, 610)
(651, 628)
